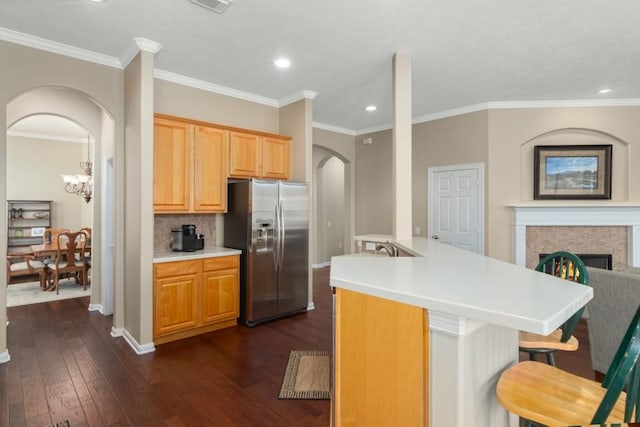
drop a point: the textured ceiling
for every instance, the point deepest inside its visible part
(463, 52)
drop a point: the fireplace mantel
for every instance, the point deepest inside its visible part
(544, 214)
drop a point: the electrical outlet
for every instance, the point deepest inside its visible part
(370, 246)
(340, 245)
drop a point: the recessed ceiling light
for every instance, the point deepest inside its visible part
(371, 108)
(603, 91)
(282, 63)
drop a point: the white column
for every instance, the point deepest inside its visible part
(634, 246)
(402, 211)
(465, 362)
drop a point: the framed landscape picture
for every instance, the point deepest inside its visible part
(572, 172)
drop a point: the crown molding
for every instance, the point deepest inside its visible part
(48, 137)
(451, 113)
(211, 87)
(624, 102)
(331, 128)
(147, 45)
(58, 48)
(305, 94)
(374, 129)
(139, 45)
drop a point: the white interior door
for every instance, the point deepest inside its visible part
(456, 205)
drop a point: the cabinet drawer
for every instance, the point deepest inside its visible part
(220, 263)
(177, 268)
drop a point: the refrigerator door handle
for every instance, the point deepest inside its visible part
(276, 239)
(281, 237)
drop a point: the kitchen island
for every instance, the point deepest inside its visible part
(422, 340)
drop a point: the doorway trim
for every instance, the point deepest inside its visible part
(431, 171)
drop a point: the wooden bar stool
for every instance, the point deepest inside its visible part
(566, 266)
(545, 395)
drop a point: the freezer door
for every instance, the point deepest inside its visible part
(261, 293)
(294, 259)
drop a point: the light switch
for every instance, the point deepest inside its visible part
(370, 246)
(417, 230)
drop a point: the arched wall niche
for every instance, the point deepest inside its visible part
(620, 167)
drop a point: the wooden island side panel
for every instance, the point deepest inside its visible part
(381, 362)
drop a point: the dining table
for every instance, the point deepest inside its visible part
(51, 249)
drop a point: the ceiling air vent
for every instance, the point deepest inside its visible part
(218, 6)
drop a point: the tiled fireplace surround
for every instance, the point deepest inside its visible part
(598, 229)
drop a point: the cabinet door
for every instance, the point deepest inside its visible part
(220, 299)
(244, 155)
(275, 157)
(172, 175)
(210, 169)
(175, 303)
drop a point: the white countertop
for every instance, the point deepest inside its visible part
(169, 256)
(451, 280)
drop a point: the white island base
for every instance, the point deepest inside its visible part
(467, 358)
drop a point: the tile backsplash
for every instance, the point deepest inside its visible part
(205, 224)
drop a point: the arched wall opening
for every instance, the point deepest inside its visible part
(333, 205)
(89, 114)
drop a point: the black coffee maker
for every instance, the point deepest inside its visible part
(186, 239)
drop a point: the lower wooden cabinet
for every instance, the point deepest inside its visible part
(381, 362)
(194, 297)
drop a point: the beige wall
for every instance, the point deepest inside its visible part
(34, 167)
(24, 68)
(374, 184)
(295, 121)
(512, 135)
(139, 111)
(184, 101)
(503, 140)
(342, 146)
(450, 141)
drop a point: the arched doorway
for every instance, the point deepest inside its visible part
(83, 110)
(333, 205)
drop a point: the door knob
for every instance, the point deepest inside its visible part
(435, 236)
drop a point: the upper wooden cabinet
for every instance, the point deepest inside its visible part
(172, 165)
(255, 156)
(276, 155)
(189, 167)
(192, 161)
(244, 155)
(210, 169)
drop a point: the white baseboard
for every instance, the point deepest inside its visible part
(5, 357)
(138, 348)
(96, 307)
(116, 332)
(321, 265)
(311, 306)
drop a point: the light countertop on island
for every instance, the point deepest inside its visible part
(170, 256)
(450, 280)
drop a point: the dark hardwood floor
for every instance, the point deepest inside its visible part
(65, 366)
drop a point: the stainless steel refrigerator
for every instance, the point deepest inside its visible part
(269, 221)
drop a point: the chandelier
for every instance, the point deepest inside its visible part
(82, 185)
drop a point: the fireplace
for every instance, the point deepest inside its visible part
(607, 219)
(603, 261)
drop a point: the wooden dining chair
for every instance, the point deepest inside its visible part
(566, 266)
(545, 395)
(70, 259)
(25, 265)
